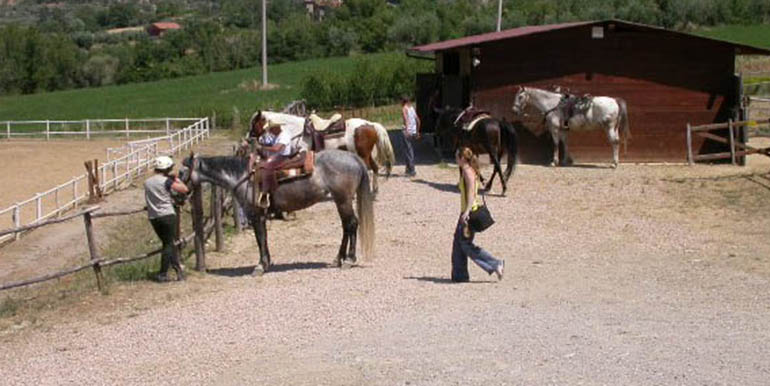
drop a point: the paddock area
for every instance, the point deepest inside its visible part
(648, 274)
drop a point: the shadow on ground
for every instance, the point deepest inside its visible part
(247, 270)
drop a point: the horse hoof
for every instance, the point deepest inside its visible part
(347, 264)
(258, 271)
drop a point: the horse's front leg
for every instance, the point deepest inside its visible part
(259, 223)
(567, 159)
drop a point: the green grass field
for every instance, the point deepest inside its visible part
(754, 35)
(191, 96)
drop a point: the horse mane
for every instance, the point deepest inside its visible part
(227, 164)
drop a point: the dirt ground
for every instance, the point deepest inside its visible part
(649, 274)
(45, 164)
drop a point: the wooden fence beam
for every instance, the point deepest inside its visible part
(47, 222)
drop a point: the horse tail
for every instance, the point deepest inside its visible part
(623, 123)
(385, 154)
(511, 140)
(365, 207)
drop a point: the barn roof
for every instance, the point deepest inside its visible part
(166, 25)
(740, 49)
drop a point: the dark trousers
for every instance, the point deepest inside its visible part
(267, 174)
(409, 152)
(165, 228)
(462, 249)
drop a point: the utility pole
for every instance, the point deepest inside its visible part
(264, 43)
(499, 14)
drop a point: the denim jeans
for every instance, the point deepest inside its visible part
(462, 249)
(409, 150)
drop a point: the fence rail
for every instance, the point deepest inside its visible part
(87, 127)
(204, 228)
(737, 147)
(112, 176)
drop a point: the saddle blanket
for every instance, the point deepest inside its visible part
(299, 166)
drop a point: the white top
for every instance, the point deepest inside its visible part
(284, 139)
(411, 121)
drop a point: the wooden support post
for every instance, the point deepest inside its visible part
(115, 174)
(8, 129)
(197, 217)
(731, 141)
(47, 130)
(689, 144)
(88, 129)
(127, 132)
(216, 214)
(93, 251)
(168, 126)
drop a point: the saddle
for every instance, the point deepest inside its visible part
(333, 128)
(572, 105)
(301, 164)
(470, 116)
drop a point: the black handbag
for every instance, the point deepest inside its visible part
(480, 218)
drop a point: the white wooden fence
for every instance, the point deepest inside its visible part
(113, 175)
(91, 127)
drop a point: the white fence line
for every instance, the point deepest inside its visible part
(88, 127)
(113, 175)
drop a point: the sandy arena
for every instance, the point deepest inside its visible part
(637, 276)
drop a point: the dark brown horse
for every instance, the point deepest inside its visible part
(487, 136)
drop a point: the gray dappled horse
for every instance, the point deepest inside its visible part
(339, 174)
(605, 113)
(488, 135)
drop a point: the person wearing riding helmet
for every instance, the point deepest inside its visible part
(159, 192)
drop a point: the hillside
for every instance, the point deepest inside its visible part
(219, 93)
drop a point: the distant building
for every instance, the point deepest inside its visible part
(158, 29)
(318, 8)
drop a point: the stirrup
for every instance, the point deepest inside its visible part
(263, 201)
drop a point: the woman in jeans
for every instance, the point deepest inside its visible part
(160, 210)
(462, 246)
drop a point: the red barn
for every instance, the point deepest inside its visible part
(668, 79)
(159, 28)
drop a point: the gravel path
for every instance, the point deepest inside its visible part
(644, 275)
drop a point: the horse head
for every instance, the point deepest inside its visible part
(189, 171)
(257, 124)
(520, 100)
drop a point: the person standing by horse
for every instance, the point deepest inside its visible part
(411, 132)
(159, 194)
(277, 153)
(462, 246)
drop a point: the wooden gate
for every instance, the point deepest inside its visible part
(738, 146)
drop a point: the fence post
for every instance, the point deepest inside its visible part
(216, 213)
(732, 139)
(17, 220)
(92, 250)
(8, 129)
(689, 144)
(74, 192)
(168, 126)
(115, 175)
(47, 130)
(197, 218)
(88, 129)
(38, 206)
(56, 198)
(127, 132)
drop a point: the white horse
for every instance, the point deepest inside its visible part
(383, 151)
(561, 115)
